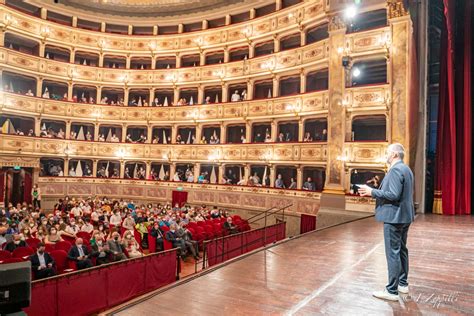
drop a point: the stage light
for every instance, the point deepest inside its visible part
(350, 12)
(356, 72)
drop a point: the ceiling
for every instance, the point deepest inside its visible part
(149, 9)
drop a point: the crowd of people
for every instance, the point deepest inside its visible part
(101, 230)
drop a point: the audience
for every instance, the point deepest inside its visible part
(42, 264)
(80, 255)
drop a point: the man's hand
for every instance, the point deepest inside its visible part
(365, 191)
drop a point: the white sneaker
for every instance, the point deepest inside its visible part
(385, 295)
(403, 289)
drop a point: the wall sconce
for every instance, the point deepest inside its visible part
(68, 151)
(96, 114)
(168, 156)
(385, 42)
(220, 74)
(269, 65)
(7, 21)
(120, 153)
(45, 31)
(268, 157)
(152, 47)
(215, 156)
(199, 43)
(101, 43)
(298, 20)
(124, 78)
(195, 115)
(295, 108)
(247, 33)
(173, 78)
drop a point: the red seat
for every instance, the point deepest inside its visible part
(61, 260)
(22, 252)
(192, 225)
(210, 231)
(49, 247)
(151, 242)
(166, 243)
(217, 229)
(11, 260)
(84, 235)
(71, 240)
(201, 223)
(63, 245)
(33, 242)
(4, 254)
(200, 230)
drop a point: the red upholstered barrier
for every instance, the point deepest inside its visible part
(308, 223)
(92, 290)
(225, 248)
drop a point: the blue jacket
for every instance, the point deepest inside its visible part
(394, 199)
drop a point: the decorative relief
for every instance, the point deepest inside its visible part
(396, 9)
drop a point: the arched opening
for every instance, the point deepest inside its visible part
(54, 90)
(370, 177)
(20, 84)
(211, 135)
(236, 134)
(161, 135)
(110, 133)
(317, 80)
(264, 48)
(111, 61)
(285, 177)
(212, 95)
(313, 178)
(21, 44)
(17, 125)
(238, 53)
(188, 96)
(163, 97)
(57, 53)
(108, 169)
(317, 33)
(84, 94)
(261, 132)
(290, 41)
(159, 171)
(140, 62)
(51, 167)
(166, 62)
(263, 89)
(80, 168)
(287, 132)
(138, 97)
(290, 85)
(315, 130)
(135, 170)
(82, 131)
(86, 58)
(136, 134)
(186, 135)
(53, 129)
(213, 58)
(112, 96)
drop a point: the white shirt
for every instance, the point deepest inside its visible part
(41, 259)
(115, 219)
(235, 98)
(81, 252)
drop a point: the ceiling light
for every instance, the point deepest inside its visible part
(350, 12)
(356, 72)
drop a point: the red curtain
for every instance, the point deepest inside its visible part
(453, 153)
(28, 185)
(2, 185)
(179, 197)
(307, 223)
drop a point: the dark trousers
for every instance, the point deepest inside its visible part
(159, 244)
(44, 273)
(396, 252)
(36, 203)
(83, 264)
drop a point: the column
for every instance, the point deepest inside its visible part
(221, 172)
(70, 88)
(42, 48)
(153, 62)
(251, 50)
(37, 126)
(302, 81)
(176, 95)
(39, 87)
(172, 170)
(225, 92)
(94, 167)
(149, 133)
(276, 86)
(180, 28)
(197, 170)
(101, 59)
(152, 96)
(223, 133)
(274, 130)
(148, 169)
(44, 13)
(253, 13)
(300, 130)
(2, 37)
(246, 171)
(124, 133)
(128, 61)
(126, 92)
(226, 55)
(333, 194)
(202, 58)
(205, 24)
(250, 84)
(72, 55)
(96, 131)
(248, 131)
(200, 99)
(68, 129)
(155, 30)
(130, 30)
(178, 61)
(174, 133)
(299, 177)
(66, 167)
(272, 176)
(276, 43)
(278, 4)
(228, 19)
(102, 26)
(198, 132)
(122, 169)
(74, 21)
(99, 94)
(303, 37)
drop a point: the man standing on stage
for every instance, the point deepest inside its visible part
(394, 207)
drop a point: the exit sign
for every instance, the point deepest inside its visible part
(16, 167)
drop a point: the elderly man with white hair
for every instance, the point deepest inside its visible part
(394, 207)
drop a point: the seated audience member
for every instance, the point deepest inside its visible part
(100, 249)
(308, 185)
(279, 182)
(53, 237)
(128, 222)
(116, 247)
(16, 242)
(129, 243)
(115, 219)
(230, 227)
(374, 182)
(158, 235)
(80, 255)
(190, 244)
(42, 264)
(114, 139)
(307, 137)
(176, 241)
(235, 97)
(292, 184)
(87, 227)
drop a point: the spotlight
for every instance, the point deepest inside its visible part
(350, 12)
(356, 72)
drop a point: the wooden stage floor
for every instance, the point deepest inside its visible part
(334, 272)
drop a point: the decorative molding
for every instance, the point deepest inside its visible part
(396, 9)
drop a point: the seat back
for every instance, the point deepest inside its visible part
(22, 252)
(33, 242)
(63, 245)
(4, 254)
(11, 260)
(61, 260)
(49, 247)
(84, 235)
